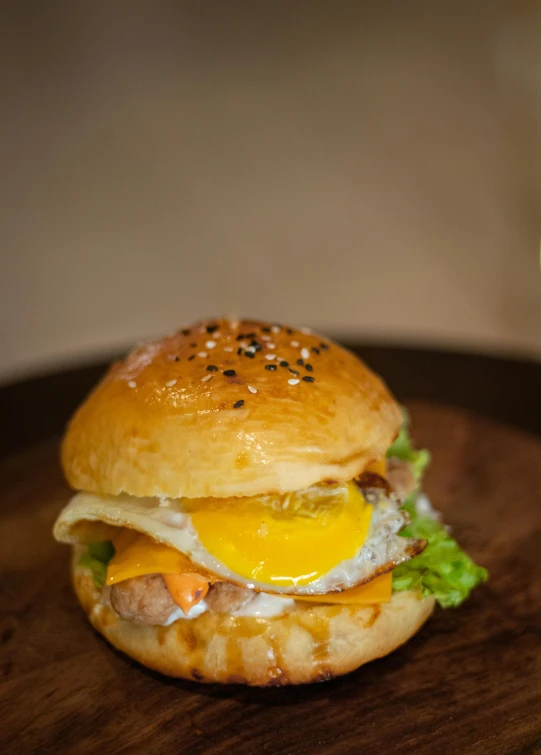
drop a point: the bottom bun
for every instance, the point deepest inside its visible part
(309, 644)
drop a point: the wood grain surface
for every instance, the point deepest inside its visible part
(469, 682)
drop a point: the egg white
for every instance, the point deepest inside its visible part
(165, 521)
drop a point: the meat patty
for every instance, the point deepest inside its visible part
(223, 597)
(145, 599)
(400, 477)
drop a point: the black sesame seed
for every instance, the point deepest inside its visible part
(301, 362)
(289, 331)
(240, 337)
(193, 345)
(324, 346)
(212, 368)
(250, 335)
(239, 351)
(250, 354)
(308, 367)
(255, 345)
(229, 373)
(271, 367)
(308, 379)
(211, 328)
(186, 332)
(177, 359)
(266, 330)
(283, 363)
(293, 371)
(192, 357)
(238, 404)
(315, 349)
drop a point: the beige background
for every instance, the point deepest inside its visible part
(370, 171)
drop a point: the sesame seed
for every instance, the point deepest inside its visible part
(250, 335)
(283, 363)
(211, 328)
(275, 329)
(305, 354)
(266, 330)
(289, 331)
(132, 384)
(193, 345)
(244, 344)
(250, 354)
(210, 344)
(270, 367)
(177, 359)
(171, 383)
(240, 337)
(228, 348)
(294, 344)
(293, 381)
(186, 332)
(239, 351)
(308, 379)
(212, 368)
(238, 404)
(202, 354)
(192, 357)
(305, 330)
(207, 377)
(293, 371)
(229, 373)
(308, 367)
(271, 346)
(324, 346)
(315, 349)
(301, 362)
(252, 389)
(217, 334)
(270, 356)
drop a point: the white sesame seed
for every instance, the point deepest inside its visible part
(306, 331)
(132, 384)
(228, 348)
(293, 381)
(294, 344)
(243, 344)
(206, 378)
(202, 354)
(275, 329)
(305, 354)
(270, 356)
(170, 383)
(252, 389)
(216, 334)
(210, 344)
(265, 338)
(271, 346)
(250, 350)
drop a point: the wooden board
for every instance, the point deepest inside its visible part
(469, 682)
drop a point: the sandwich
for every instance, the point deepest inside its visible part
(249, 509)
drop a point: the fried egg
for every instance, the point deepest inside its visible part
(324, 539)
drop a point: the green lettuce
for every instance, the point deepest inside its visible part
(96, 558)
(443, 569)
(403, 449)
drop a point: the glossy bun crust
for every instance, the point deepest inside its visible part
(229, 408)
(312, 643)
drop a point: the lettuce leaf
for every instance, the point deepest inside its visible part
(443, 569)
(402, 449)
(96, 558)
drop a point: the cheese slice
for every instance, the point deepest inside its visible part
(136, 554)
(378, 467)
(378, 590)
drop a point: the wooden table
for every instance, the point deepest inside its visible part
(469, 682)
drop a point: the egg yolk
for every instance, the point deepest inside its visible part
(284, 540)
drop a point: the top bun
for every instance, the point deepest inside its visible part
(230, 408)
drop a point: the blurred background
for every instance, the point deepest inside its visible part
(369, 169)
